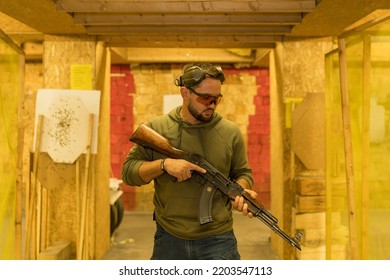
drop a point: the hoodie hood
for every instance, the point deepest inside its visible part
(176, 116)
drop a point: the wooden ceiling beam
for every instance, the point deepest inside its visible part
(221, 29)
(216, 6)
(140, 44)
(190, 41)
(261, 57)
(42, 16)
(200, 19)
(180, 55)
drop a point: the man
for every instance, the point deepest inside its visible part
(193, 127)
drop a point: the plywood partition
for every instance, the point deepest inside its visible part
(11, 145)
(60, 53)
(357, 94)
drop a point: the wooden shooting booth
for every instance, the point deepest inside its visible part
(11, 145)
(67, 202)
(357, 142)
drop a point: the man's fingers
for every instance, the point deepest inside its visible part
(239, 201)
(253, 194)
(245, 209)
(198, 168)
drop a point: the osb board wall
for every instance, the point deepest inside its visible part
(59, 54)
(303, 66)
(154, 81)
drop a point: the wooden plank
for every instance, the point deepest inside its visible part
(39, 218)
(78, 203)
(84, 215)
(123, 6)
(45, 219)
(187, 19)
(60, 250)
(10, 43)
(102, 216)
(313, 237)
(180, 41)
(329, 163)
(33, 50)
(316, 203)
(19, 168)
(170, 55)
(32, 199)
(316, 236)
(276, 152)
(346, 115)
(310, 185)
(309, 204)
(316, 220)
(365, 177)
(239, 29)
(339, 251)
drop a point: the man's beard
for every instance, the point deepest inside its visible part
(198, 115)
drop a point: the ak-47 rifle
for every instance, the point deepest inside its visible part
(212, 180)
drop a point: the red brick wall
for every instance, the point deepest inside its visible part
(122, 120)
(122, 90)
(259, 138)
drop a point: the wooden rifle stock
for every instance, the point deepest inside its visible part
(148, 138)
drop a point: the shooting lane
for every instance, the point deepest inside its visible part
(280, 95)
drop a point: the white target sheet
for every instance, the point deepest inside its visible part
(64, 133)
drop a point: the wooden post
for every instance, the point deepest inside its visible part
(366, 141)
(32, 200)
(291, 190)
(92, 216)
(80, 254)
(346, 115)
(19, 166)
(45, 219)
(78, 203)
(38, 217)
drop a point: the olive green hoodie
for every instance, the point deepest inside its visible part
(176, 203)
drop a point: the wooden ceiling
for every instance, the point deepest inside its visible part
(228, 24)
(244, 29)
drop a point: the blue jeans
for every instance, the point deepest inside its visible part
(218, 247)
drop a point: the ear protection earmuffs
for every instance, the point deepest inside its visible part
(192, 76)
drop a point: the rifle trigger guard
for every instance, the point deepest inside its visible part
(206, 203)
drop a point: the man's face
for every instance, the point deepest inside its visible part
(204, 99)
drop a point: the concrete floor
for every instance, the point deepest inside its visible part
(133, 239)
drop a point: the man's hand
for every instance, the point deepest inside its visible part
(181, 169)
(239, 204)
